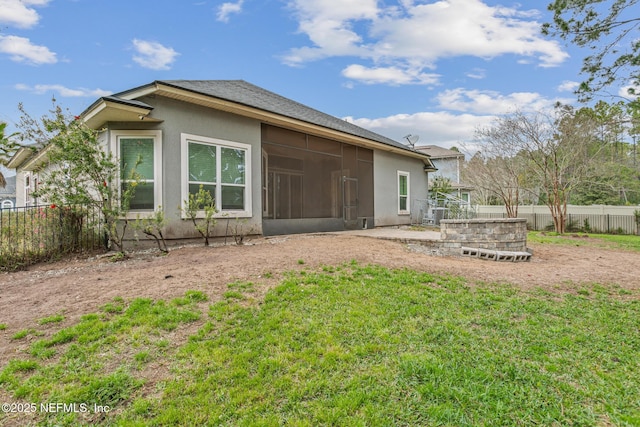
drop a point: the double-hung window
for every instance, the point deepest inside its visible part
(403, 193)
(140, 159)
(220, 167)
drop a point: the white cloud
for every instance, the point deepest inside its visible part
(18, 13)
(388, 75)
(21, 49)
(624, 92)
(329, 26)
(451, 28)
(438, 128)
(461, 113)
(568, 86)
(419, 34)
(153, 55)
(226, 9)
(63, 91)
(492, 102)
(477, 73)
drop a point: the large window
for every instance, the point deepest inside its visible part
(140, 157)
(403, 193)
(222, 168)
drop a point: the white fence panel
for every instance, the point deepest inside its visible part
(593, 219)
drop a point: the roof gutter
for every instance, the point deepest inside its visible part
(108, 108)
(19, 157)
(38, 159)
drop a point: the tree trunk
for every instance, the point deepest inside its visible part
(511, 203)
(557, 204)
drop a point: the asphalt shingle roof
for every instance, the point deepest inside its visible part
(242, 92)
(437, 152)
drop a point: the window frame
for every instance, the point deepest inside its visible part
(30, 186)
(185, 140)
(115, 137)
(407, 175)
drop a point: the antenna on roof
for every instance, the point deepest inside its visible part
(412, 139)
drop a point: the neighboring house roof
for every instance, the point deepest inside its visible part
(461, 186)
(437, 152)
(10, 190)
(440, 153)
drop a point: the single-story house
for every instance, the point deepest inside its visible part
(278, 165)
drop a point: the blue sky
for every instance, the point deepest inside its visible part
(438, 69)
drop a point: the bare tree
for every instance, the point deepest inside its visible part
(500, 168)
(474, 173)
(547, 154)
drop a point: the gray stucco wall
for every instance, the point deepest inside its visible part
(385, 178)
(187, 118)
(179, 118)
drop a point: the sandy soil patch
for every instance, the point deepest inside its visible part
(79, 286)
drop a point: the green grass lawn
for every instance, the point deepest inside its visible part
(351, 345)
(607, 241)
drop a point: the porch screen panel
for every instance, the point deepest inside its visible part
(304, 176)
(283, 136)
(322, 186)
(349, 161)
(365, 154)
(365, 189)
(324, 145)
(365, 179)
(284, 172)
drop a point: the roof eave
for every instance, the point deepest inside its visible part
(112, 109)
(268, 117)
(39, 158)
(19, 157)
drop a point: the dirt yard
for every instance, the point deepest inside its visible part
(79, 286)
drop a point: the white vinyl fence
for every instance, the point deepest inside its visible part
(591, 219)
